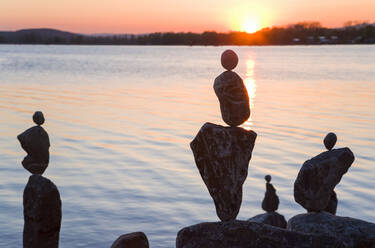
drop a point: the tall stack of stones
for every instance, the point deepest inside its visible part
(222, 154)
(41, 198)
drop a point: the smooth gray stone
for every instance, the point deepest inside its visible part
(271, 218)
(222, 155)
(351, 232)
(233, 98)
(241, 234)
(131, 240)
(42, 213)
(319, 176)
(35, 142)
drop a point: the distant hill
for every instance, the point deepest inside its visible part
(37, 36)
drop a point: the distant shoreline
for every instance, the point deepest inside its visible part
(297, 34)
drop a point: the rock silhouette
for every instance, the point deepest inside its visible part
(35, 142)
(233, 98)
(271, 200)
(351, 232)
(229, 59)
(241, 234)
(330, 141)
(42, 213)
(270, 218)
(318, 177)
(222, 155)
(131, 240)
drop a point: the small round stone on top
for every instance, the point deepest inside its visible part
(330, 141)
(268, 178)
(229, 59)
(38, 118)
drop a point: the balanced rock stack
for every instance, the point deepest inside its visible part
(316, 180)
(270, 204)
(41, 198)
(314, 190)
(222, 154)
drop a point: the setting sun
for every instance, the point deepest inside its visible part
(250, 26)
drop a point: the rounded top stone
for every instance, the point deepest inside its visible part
(38, 118)
(229, 59)
(268, 178)
(330, 141)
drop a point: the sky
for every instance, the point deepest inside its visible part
(145, 16)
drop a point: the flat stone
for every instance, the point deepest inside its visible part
(233, 98)
(229, 59)
(271, 218)
(42, 213)
(351, 232)
(131, 240)
(318, 177)
(222, 155)
(35, 142)
(244, 234)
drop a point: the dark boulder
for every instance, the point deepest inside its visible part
(233, 98)
(241, 234)
(351, 232)
(271, 218)
(35, 142)
(222, 155)
(318, 177)
(332, 204)
(131, 240)
(42, 213)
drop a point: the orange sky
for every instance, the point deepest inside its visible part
(143, 16)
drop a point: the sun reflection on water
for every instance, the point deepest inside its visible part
(250, 84)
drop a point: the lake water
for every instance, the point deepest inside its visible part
(120, 120)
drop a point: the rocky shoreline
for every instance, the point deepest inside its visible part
(222, 155)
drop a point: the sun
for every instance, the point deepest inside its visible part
(250, 26)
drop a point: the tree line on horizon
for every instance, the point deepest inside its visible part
(299, 33)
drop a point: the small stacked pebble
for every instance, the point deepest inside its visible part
(222, 154)
(270, 204)
(41, 198)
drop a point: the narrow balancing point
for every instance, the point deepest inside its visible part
(35, 141)
(231, 92)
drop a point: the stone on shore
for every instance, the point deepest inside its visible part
(318, 177)
(271, 218)
(229, 59)
(222, 155)
(244, 234)
(233, 98)
(131, 240)
(35, 142)
(351, 232)
(42, 213)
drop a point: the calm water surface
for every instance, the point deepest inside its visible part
(120, 120)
